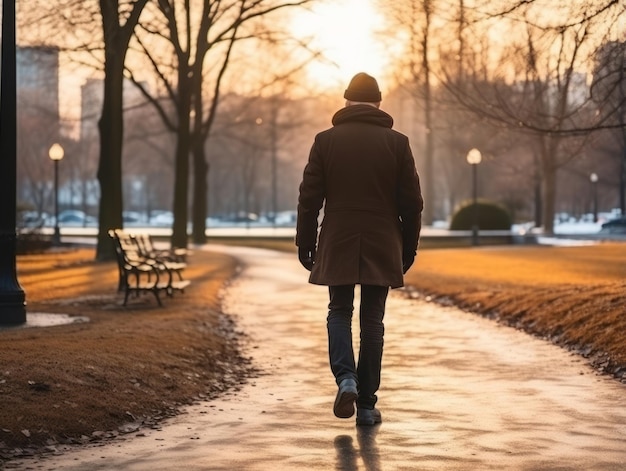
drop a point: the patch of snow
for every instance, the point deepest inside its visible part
(578, 228)
(557, 241)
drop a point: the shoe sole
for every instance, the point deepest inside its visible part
(344, 404)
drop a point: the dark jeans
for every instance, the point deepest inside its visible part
(341, 352)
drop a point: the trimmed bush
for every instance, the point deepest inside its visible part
(491, 217)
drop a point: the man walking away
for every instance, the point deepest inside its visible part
(363, 173)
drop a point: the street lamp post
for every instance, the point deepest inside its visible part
(56, 153)
(12, 297)
(473, 158)
(594, 183)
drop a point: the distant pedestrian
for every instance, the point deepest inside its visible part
(363, 173)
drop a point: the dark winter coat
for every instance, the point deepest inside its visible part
(363, 173)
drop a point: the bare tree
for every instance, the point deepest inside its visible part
(100, 31)
(415, 18)
(119, 20)
(609, 91)
(201, 44)
(539, 86)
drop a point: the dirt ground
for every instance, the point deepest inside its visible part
(126, 368)
(130, 367)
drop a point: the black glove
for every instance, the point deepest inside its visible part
(306, 255)
(407, 261)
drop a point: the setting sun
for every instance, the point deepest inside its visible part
(345, 32)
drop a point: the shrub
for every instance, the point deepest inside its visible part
(30, 237)
(491, 216)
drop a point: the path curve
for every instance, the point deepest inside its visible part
(459, 392)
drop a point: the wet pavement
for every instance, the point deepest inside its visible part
(458, 392)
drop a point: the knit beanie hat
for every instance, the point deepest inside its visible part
(364, 88)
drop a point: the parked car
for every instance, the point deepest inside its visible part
(31, 219)
(614, 226)
(286, 218)
(73, 217)
(242, 216)
(162, 218)
(133, 218)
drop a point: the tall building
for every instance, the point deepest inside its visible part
(38, 83)
(38, 124)
(91, 96)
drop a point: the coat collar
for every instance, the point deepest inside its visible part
(363, 114)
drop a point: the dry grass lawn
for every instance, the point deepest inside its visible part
(132, 366)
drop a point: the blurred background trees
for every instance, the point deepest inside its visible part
(189, 112)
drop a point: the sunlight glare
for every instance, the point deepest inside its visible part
(345, 32)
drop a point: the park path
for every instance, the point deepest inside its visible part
(458, 392)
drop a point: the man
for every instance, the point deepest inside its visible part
(363, 173)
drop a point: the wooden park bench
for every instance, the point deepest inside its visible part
(140, 272)
(147, 249)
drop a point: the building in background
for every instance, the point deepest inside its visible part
(38, 124)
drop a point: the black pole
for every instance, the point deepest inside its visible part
(12, 297)
(475, 189)
(274, 163)
(57, 233)
(595, 201)
(622, 180)
(538, 200)
(620, 114)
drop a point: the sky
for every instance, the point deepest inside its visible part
(346, 31)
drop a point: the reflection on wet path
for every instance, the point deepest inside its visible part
(349, 457)
(458, 393)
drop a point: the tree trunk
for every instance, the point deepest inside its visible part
(549, 190)
(537, 191)
(200, 191)
(549, 151)
(110, 165)
(111, 123)
(181, 179)
(622, 180)
(428, 182)
(181, 166)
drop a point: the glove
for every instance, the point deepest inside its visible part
(306, 255)
(407, 261)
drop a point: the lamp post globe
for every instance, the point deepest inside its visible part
(56, 153)
(474, 157)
